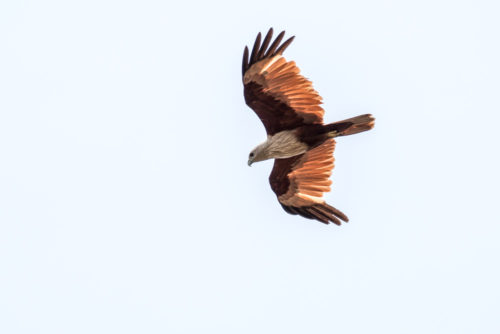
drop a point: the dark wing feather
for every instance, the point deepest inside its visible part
(265, 44)
(245, 60)
(275, 115)
(255, 49)
(281, 97)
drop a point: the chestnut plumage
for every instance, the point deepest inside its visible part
(301, 144)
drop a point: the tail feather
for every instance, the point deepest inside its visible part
(351, 126)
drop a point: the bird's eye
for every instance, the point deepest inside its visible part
(251, 155)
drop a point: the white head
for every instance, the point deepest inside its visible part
(284, 144)
(259, 153)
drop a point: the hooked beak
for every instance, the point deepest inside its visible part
(250, 162)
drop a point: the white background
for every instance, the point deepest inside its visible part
(127, 206)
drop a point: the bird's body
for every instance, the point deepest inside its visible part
(300, 143)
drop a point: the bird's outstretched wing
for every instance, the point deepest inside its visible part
(299, 183)
(281, 97)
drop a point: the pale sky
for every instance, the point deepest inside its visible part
(126, 202)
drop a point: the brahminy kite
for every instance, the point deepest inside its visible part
(298, 141)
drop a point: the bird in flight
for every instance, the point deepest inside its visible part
(297, 139)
